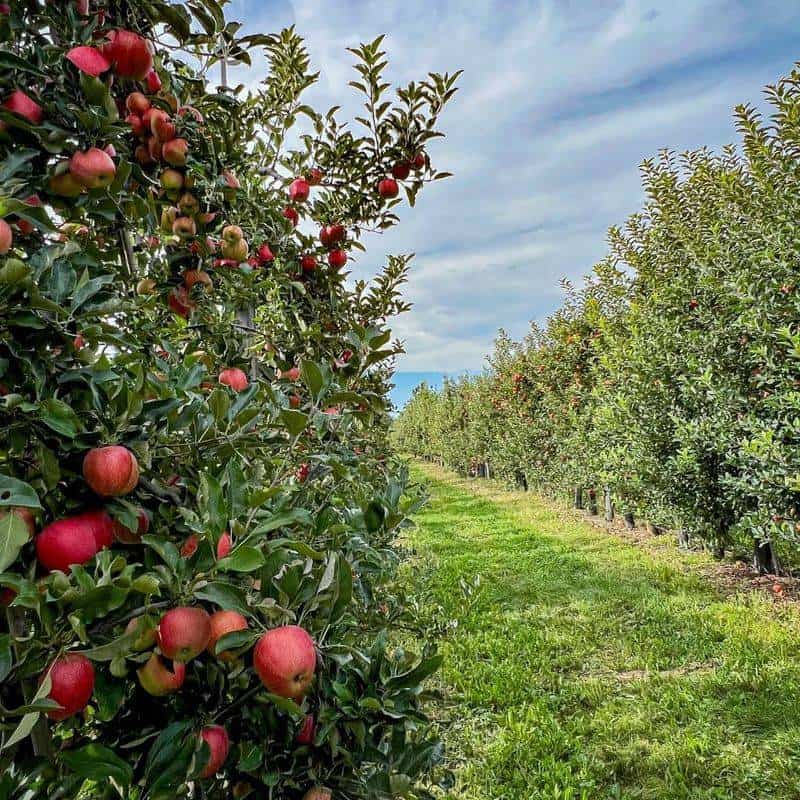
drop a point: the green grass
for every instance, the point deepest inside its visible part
(585, 667)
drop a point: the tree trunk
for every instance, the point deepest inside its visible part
(578, 497)
(609, 504)
(593, 502)
(684, 539)
(765, 560)
(630, 522)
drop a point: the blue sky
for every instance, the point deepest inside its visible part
(560, 102)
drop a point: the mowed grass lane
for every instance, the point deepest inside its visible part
(586, 667)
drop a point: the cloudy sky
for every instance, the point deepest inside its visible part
(560, 102)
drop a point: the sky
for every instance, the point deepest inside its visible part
(560, 102)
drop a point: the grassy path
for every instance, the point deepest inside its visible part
(585, 667)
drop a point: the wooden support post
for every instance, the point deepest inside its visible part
(578, 497)
(609, 504)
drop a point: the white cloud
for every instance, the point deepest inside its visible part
(560, 101)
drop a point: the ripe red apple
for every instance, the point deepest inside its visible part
(285, 659)
(317, 793)
(306, 733)
(337, 258)
(194, 276)
(175, 151)
(189, 547)
(294, 401)
(292, 215)
(7, 597)
(299, 190)
(127, 536)
(185, 227)
(290, 375)
(179, 301)
(171, 180)
(401, 170)
(73, 540)
(72, 684)
(331, 235)
(6, 237)
(93, 168)
(315, 176)
(235, 378)
(161, 125)
(224, 545)
(157, 679)
(154, 148)
(264, 254)
(24, 227)
(25, 514)
(89, 60)
(137, 103)
(216, 737)
(302, 473)
(419, 161)
(23, 106)
(388, 188)
(308, 262)
(223, 622)
(129, 54)
(153, 82)
(183, 633)
(111, 471)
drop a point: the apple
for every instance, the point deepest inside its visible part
(308, 262)
(295, 401)
(189, 547)
(337, 258)
(111, 471)
(331, 235)
(223, 622)
(72, 684)
(156, 679)
(171, 180)
(184, 227)
(73, 540)
(299, 190)
(88, 60)
(306, 733)
(24, 227)
(188, 203)
(147, 633)
(315, 176)
(232, 234)
(129, 54)
(302, 473)
(183, 633)
(7, 597)
(235, 378)
(25, 514)
(6, 237)
(224, 545)
(93, 168)
(264, 254)
(142, 155)
(235, 251)
(195, 276)
(388, 188)
(161, 126)
(23, 106)
(126, 535)
(63, 183)
(285, 659)
(153, 82)
(216, 737)
(290, 375)
(137, 103)
(317, 793)
(292, 215)
(419, 161)
(401, 170)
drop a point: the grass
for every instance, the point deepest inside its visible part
(585, 667)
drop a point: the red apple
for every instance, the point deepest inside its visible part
(129, 54)
(153, 82)
(63, 183)
(290, 375)
(302, 473)
(298, 190)
(401, 170)
(308, 262)
(6, 237)
(235, 378)
(294, 401)
(216, 737)
(285, 659)
(72, 684)
(419, 161)
(292, 215)
(137, 103)
(224, 545)
(179, 302)
(73, 540)
(127, 536)
(337, 258)
(89, 60)
(388, 188)
(156, 679)
(315, 176)
(264, 254)
(331, 235)
(223, 622)
(93, 168)
(189, 547)
(24, 227)
(175, 151)
(183, 633)
(306, 734)
(111, 471)
(161, 126)
(317, 793)
(195, 276)
(7, 597)
(184, 227)
(23, 106)
(171, 180)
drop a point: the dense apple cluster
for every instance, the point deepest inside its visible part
(197, 509)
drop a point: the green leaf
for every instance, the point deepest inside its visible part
(225, 595)
(242, 559)
(235, 640)
(312, 377)
(14, 492)
(13, 536)
(118, 647)
(58, 416)
(294, 421)
(8, 61)
(166, 549)
(98, 763)
(6, 656)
